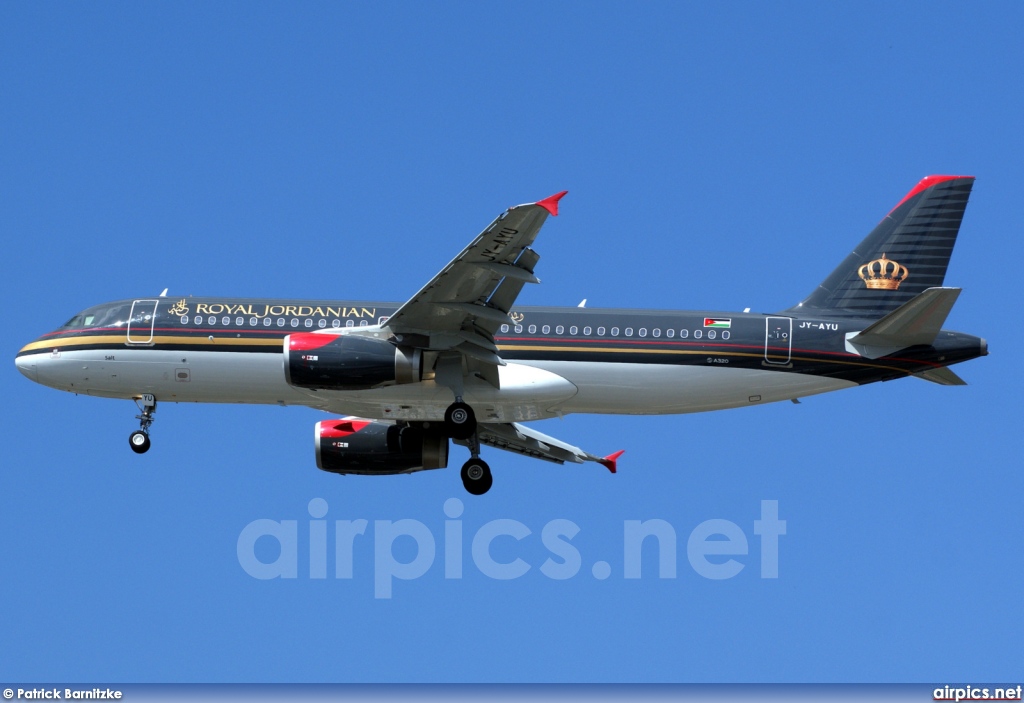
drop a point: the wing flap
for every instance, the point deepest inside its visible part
(464, 292)
(514, 437)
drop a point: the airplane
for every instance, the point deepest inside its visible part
(460, 362)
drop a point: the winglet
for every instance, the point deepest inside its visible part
(610, 461)
(551, 204)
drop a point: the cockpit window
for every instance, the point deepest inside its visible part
(105, 316)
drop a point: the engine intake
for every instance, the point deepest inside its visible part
(356, 446)
(347, 362)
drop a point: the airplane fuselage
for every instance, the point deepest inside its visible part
(558, 360)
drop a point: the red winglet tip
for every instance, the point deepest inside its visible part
(925, 183)
(551, 204)
(610, 461)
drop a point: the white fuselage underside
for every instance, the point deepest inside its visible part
(530, 390)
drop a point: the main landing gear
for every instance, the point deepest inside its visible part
(476, 474)
(139, 439)
(460, 424)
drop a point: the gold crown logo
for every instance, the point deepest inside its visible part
(517, 317)
(883, 274)
(179, 308)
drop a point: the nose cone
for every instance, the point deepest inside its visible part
(984, 347)
(27, 365)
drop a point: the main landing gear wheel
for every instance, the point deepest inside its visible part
(460, 420)
(476, 476)
(139, 441)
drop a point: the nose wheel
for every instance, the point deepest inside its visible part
(139, 439)
(139, 442)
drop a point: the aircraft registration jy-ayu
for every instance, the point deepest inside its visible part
(460, 361)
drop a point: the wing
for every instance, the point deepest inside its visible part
(516, 438)
(464, 305)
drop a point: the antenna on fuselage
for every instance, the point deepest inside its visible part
(164, 294)
(583, 303)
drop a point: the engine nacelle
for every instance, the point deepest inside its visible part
(347, 362)
(356, 446)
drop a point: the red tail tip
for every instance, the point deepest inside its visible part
(551, 204)
(926, 183)
(610, 461)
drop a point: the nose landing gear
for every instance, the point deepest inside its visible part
(139, 439)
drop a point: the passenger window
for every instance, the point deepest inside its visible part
(656, 332)
(560, 330)
(184, 319)
(504, 329)
(321, 324)
(629, 331)
(532, 329)
(309, 322)
(615, 331)
(212, 320)
(572, 330)
(239, 321)
(280, 322)
(586, 331)
(225, 321)
(295, 322)
(670, 333)
(363, 323)
(335, 323)
(726, 334)
(697, 334)
(600, 331)
(350, 323)
(711, 334)
(683, 334)
(546, 329)
(519, 329)
(266, 322)
(253, 321)
(642, 332)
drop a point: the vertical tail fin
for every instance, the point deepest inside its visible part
(907, 253)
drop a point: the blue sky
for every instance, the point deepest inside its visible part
(717, 156)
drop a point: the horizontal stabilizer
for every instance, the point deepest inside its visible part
(943, 376)
(918, 321)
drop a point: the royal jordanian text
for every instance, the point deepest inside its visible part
(286, 310)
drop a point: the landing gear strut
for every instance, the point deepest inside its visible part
(139, 439)
(476, 474)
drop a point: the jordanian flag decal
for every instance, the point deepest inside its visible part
(722, 323)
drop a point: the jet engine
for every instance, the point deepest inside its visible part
(356, 446)
(347, 362)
